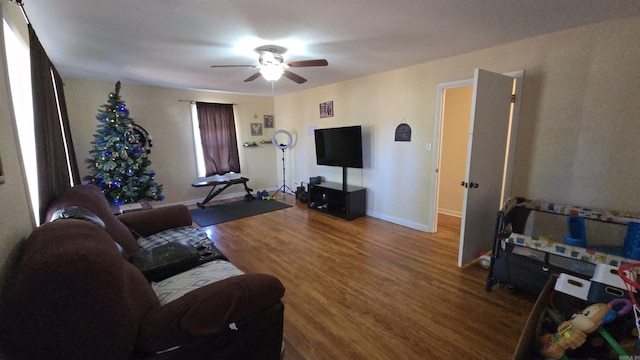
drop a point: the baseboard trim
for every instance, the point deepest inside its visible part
(219, 197)
(457, 214)
(391, 219)
(403, 222)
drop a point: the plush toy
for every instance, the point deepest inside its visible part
(554, 345)
(573, 333)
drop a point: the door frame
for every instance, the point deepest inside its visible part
(432, 221)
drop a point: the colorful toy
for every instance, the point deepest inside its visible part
(629, 274)
(572, 333)
(262, 195)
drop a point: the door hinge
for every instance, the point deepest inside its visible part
(513, 98)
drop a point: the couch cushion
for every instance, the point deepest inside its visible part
(207, 312)
(91, 198)
(189, 234)
(174, 287)
(152, 221)
(73, 295)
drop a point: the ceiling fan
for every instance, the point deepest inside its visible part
(271, 65)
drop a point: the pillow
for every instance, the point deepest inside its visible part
(78, 212)
(91, 198)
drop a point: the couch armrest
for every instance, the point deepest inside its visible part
(152, 221)
(207, 311)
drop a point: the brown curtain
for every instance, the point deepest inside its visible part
(218, 136)
(51, 155)
(66, 128)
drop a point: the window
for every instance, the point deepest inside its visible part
(64, 126)
(216, 144)
(41, 119)
(19, 68)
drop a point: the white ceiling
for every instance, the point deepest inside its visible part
(173, 43)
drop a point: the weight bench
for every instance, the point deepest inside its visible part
(213, 193)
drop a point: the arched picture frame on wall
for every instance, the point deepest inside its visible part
(403, 132)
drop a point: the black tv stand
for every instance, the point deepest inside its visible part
(344, 179)
(340, 200)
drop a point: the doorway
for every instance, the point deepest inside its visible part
(457, 107)
(456, 114)
(454, 141)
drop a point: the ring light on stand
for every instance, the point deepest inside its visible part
(284, 189)
(282, 146)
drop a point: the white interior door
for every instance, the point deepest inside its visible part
(487, 150)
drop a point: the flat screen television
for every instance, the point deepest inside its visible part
(339, 146)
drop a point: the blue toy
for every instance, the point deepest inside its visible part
(577, 232)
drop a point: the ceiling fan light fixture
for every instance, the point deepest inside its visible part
(272, 73)
(270, 58)
(272, 66)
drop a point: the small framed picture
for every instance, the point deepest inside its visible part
(256, 129)
(268, 121)
(326, 109)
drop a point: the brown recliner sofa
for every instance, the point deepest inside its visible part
(73, 294)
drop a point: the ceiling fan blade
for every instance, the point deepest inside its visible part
(303, 63)
(253, 77)
(297, 78)
(232, 66)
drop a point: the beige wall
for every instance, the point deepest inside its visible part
(576, 139)
(453, 156)
(169, 123)
(15, 215)
(577, 133)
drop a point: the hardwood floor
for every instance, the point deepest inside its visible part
(370, 289)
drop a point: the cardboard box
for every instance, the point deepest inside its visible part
(528, 346)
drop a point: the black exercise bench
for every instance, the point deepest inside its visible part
(213, 193)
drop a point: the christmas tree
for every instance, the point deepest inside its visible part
(119, 164)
